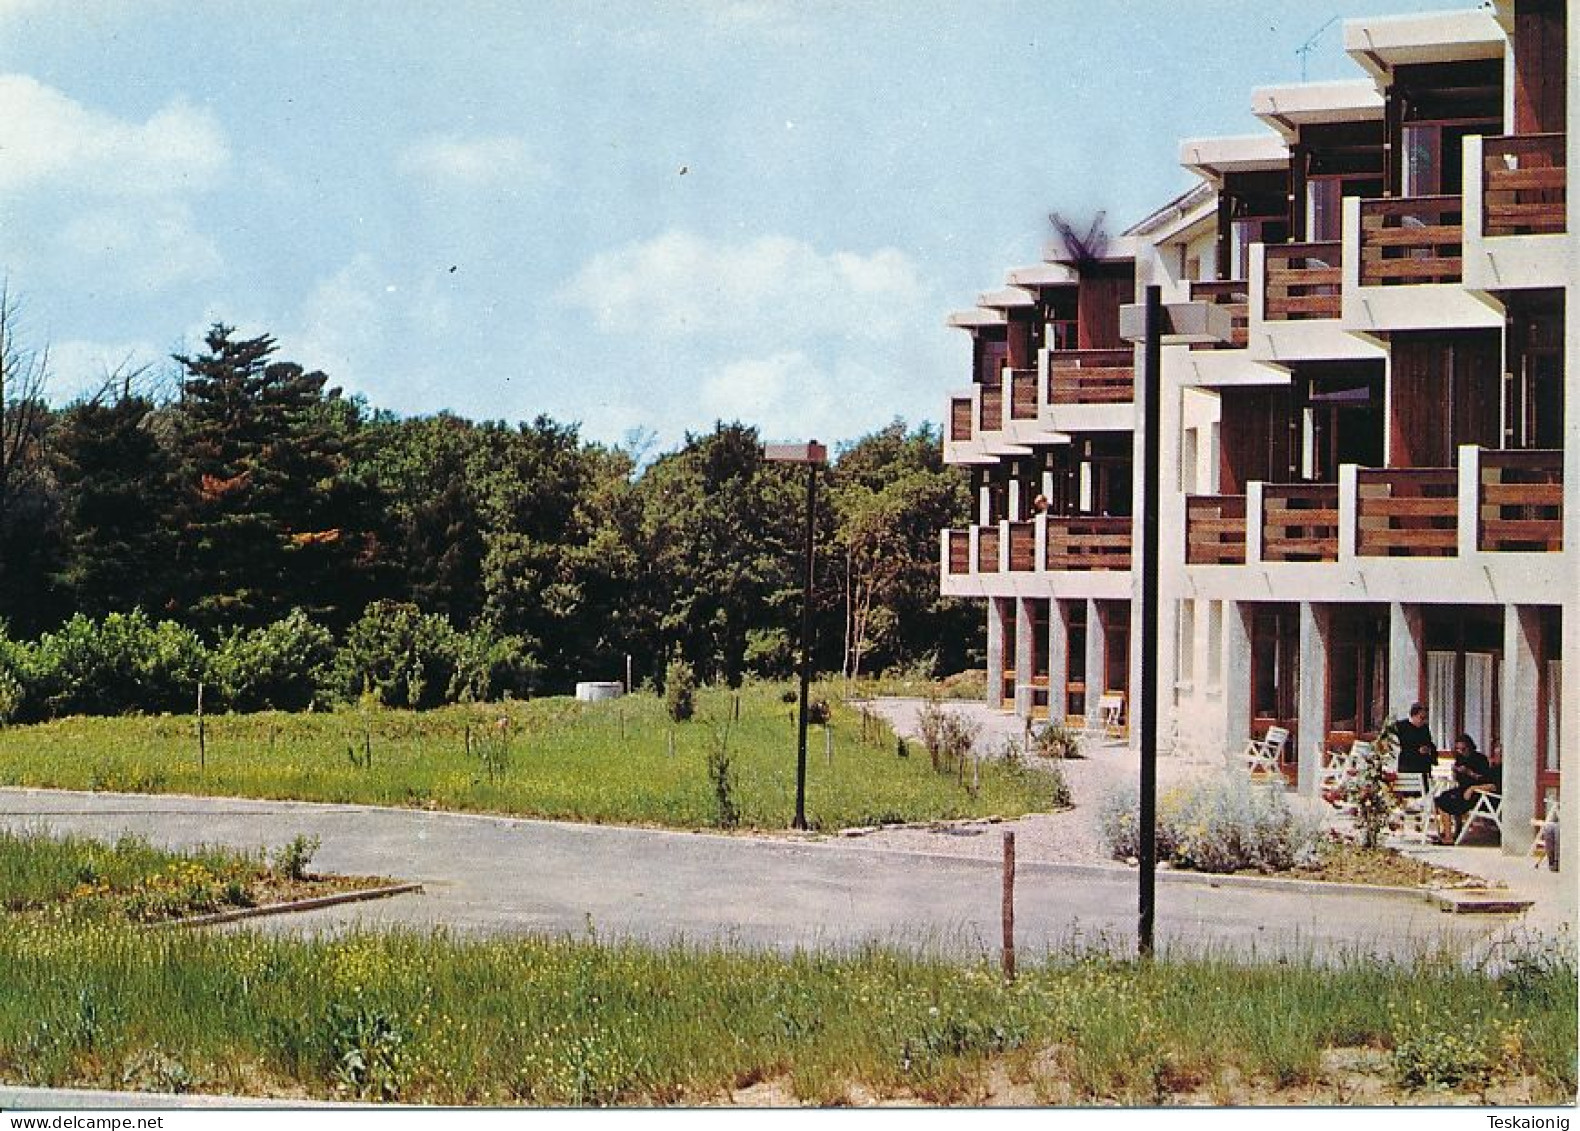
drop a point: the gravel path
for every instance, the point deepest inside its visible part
(1069, 837)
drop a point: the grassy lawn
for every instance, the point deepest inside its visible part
(75, 880)
(431, 1018)
(556, 758)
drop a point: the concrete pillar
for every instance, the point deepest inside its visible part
(1236, 673)
(1406, 653)
(1058, 658)
(1025, 650)
(995, 654)
(1096, 655)
(1311, 702)
(1522, 674)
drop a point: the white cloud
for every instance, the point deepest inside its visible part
(48, 140)
(477, 163)
(148, 246)
(343, 323)
(774, 289)
(790, 396)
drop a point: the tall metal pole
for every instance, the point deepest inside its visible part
(806, 650)
(1151, 487)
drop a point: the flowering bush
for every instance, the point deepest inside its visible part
(1225, 824)
(1370, 790)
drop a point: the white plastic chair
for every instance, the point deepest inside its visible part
(1265, 755)
(1111, 709)
(1488, 807)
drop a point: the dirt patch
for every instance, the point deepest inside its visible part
(1383, 867)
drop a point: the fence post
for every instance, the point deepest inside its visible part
(1009, 907)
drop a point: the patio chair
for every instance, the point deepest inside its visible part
(1266, 755)
(1337, 767)
(1488, 807)
(1111, 710)
(1541, 827)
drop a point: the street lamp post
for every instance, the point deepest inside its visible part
(814, 455)
(1151, 323)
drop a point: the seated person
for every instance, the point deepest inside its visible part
(1417, 747)
(1473, 774)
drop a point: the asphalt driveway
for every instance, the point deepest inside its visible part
(498, 875)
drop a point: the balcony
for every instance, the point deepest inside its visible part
(1519, 501)
(1234, 297)
(959, 560)
(1022, 547)
(1303, 281)
(1411, 240)
(1091, 377)
(1407, 513)
(990, 417)
(1523, 185)
(1022, 394)
(1082, 543)
(1214, 529)
(987, 549)
(960, 412)
(1299, 522)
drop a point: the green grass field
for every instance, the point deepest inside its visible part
(436, 1019)
(553, 758)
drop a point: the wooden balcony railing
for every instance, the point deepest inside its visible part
(1300, 522)
(1023, 394)
(959, 551)
(987, 549)
(1091, 377)
(1022, 547)
(1521, 501)
(960, 418)
(1215, 529)
(1523, 185)
(1411, 240)
(1233, 296)
(1407, 512)
(991, 416)
(1088, 543)
(1304, 280)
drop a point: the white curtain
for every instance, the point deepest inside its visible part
(1440, 697)
(1478, 698)
(1555, 683)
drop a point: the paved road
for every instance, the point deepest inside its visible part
(497, 875)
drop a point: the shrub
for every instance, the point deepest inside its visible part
(399, 654)
(1370, 790)
(293, 860)
(680, 690)
(121, 664)
(947, 735)
(1224, 824)
(727, 811)
(489, 667)
(1055, 740)
(285, 666)
(770, 653)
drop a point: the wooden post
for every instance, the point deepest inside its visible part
(627, 675)
(202, 738)
(467, 730)
(828, 743)
(737, 707)
(976, 775)
(671, 743)
(367, 747)
(1009, 907)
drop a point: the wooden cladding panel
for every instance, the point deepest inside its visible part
(1022, 547)
(1407, 513)
(1091, 377)
(1304, 280)
(1215, 529)
(987, 549)
(1023, 394)
(991, 418)
(1524, 185)
(1096, 543)
(1234, 297)
(959, 551)
(1300, 522)
(960, 418)
(1521, 501)
(1411, 240)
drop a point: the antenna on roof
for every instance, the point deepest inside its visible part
(1306, 48)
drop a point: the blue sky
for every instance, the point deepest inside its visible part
(629, 214)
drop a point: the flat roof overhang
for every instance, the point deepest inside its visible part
(975, 319)
(1007, 298)
(1287, 108)
(1044, 275)
(1211, 157)
(1382, 43)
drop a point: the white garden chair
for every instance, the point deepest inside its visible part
(1488, 807)
(1540, 825)
(1265, 755)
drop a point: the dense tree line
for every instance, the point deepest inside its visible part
(253, 506)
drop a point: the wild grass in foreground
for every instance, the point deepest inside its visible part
(551, 1022)
(618, 762)
(76, 880)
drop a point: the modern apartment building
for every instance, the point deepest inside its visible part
(1365, 500)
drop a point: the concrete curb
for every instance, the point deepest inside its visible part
(311, 904)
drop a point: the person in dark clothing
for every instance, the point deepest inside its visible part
(1417, 747)
(1473, 774)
